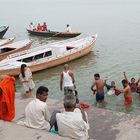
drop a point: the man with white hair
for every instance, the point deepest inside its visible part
(73, 121)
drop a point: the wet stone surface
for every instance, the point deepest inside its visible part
(109, 125)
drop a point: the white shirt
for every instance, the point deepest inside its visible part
(71, 124)
(37, 115)
(68, 29)
(31, 26)
(67, 80)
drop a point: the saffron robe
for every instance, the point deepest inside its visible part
(7, 99)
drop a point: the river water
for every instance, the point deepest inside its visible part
(117, 48)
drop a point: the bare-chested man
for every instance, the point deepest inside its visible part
(99, 83)
(127, 92)
(134, 85)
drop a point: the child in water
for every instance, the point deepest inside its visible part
(112, 89)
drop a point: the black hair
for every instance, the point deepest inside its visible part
(124, 81)
(41, 89)
(96, 75)
(22, 69)
(132, 78)
(113, 82)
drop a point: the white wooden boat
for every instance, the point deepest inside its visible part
(14, 47)
(6, 41)
(49, 55)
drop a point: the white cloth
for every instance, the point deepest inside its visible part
(29, 85)
(71, 124)
(37, 115)
(111, 92)
(67, 80)
(68, 29)
(31, 27)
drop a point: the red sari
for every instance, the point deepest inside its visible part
(7, 99)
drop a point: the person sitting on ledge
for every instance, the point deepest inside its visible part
(37, 113)
(73, 121)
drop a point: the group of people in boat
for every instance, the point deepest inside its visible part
(44, 27)
(72, 121)
(39, 27)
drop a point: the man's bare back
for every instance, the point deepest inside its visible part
(99, 85)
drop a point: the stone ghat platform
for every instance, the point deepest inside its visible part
(104, 125)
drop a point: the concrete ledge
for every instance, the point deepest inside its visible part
(104, 125)
(12, 131)
(110, 125)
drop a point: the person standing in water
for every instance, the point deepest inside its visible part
(134, 85)
(127, 92)
(99, 83)
(27, 79)
(67, 80)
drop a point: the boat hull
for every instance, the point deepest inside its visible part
(4, 55)
(53, 63)
(3, 32)
(10, 40)
(53, 33)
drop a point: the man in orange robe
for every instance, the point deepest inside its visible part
(7, 98)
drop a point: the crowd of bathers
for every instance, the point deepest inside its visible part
(129, 87)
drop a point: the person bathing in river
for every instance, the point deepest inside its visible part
(111, 89)
(99, 83)
(112, 85)
(127, 92)
(134, 85)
